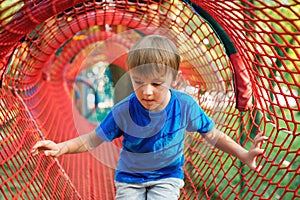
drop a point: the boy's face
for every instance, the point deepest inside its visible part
(152, 92)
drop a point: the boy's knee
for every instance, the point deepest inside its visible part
(127, 191)
(167, 189)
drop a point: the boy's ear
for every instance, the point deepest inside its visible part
(176, 82)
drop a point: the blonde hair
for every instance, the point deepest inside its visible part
(154, 54)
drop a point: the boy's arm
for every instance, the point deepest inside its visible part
(226, 144)
(80, 144)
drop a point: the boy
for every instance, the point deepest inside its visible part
(152, 121)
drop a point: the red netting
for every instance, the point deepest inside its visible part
(46, 45)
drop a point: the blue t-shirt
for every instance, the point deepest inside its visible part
(152, 141)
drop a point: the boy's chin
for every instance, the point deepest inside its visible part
(152, 108)
(155, 109)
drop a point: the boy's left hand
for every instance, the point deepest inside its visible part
(255, 151)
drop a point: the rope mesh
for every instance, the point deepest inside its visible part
(46, 45)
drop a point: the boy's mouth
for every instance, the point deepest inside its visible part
(148, 100)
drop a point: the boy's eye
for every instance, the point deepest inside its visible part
(138, 82)
(156, 84)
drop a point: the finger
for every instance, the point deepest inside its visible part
(35, 148)
(252, 165)
(40, 145)
(255, 139)
(50, 153)
(45, 144)
(37, 145)
(34, 152)
(258, 140)
(47, 153)
(257, 151)
(258, 135)
(258, 169)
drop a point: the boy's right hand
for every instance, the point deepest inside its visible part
(49, 147)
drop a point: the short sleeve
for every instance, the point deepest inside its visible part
(198, 119)
(108, 129)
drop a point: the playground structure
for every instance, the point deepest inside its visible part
(240, 60)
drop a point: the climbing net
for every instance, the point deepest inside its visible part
(240, 60)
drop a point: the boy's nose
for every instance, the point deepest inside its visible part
(147, 89)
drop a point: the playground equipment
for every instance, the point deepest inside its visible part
(240, 60)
